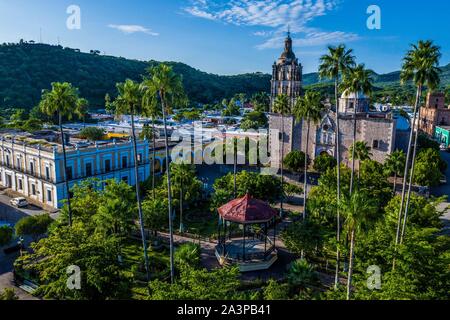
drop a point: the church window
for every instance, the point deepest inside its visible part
(375, 144)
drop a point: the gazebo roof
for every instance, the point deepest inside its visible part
(247, 210)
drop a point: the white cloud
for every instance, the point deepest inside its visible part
(275, 15)
(131, 28)
(262, 33)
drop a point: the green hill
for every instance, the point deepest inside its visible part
(27, 68)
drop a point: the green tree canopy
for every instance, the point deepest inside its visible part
(295, 161)
(6, 234)
(324, 162)
(429, 168)
(102, 276)
(92, 133)
(198, 284)
(33, 225)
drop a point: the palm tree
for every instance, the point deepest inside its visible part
(395, 164)
(261, 101)
(309, 110)
(242, 98)
(357, 80)
(183, 173)
(333, 66)
(361, 153)
(129, 101)
(358, 209)
(420, 65)
(62, 100)
(83, 109)
(282, 106)
(153, 110)
(169, 87)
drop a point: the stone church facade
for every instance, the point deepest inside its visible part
(377, 129)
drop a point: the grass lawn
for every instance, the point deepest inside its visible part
(134, 260)
(199, 220)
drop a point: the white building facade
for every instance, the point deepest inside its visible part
(36, 171)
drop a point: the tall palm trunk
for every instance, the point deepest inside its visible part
(138, 198)
(338, 161)
(234, 166)
(405, 175)
(359, 171)
(350, 268)
(305, 184)
(411, 175)
(181, 206)
(154, 157)
(169, 189)
(395, 183)
(352, 177)
(282, 165)
(66, 180)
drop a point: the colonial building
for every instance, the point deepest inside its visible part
(33, 167)
(377, 129)
(434, 113)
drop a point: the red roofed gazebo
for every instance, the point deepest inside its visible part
(247, 210)
(254, 250)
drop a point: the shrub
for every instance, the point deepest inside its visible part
(301, 274)
(295, 161)
(33, 225)
(187, 255)
(92, 133)
(324, 162)
(6, 234)
(8, 294)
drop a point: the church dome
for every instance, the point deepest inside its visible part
(288, 55)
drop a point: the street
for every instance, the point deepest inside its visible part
(11, 215)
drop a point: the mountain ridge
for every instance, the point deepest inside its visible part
(27, 68)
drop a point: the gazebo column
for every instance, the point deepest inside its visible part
(265, 238)
(274, 231)
(224, 237)
(219, 239)
(243, 243)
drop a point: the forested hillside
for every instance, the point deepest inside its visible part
(27, 68)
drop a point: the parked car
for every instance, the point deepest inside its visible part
(19, 202)
(443, 147)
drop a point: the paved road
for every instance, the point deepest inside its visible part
(11, 214)
(6, 276)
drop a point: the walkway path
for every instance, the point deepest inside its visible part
(7, 278)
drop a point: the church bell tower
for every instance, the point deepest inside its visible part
(286, 74)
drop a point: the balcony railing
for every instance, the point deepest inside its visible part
(102, 171)
(82, 176)
(28, 172)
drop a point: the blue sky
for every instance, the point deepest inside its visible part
(230, 37)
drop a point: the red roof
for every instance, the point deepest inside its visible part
(247, 210)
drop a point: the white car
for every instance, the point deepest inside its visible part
(443, 147)
(19, 202)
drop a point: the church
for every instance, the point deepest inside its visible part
(377, 129)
